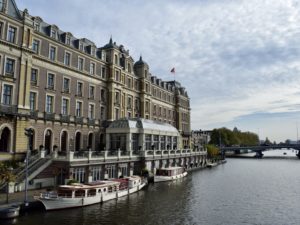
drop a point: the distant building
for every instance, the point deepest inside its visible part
(200, 138)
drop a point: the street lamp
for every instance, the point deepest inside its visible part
(28, 133)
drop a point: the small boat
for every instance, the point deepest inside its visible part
(210, 165)
(79, 195)
(168, 174)
(9, 212)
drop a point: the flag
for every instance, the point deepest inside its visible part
(173, 70)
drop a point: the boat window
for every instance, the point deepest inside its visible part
(99, 190)
(104, 190)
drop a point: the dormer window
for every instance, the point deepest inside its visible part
(37, 26)
(68, 40)
(103, 57)
(80, 46)
(53, 33)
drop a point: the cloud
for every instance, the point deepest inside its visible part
(235, 57)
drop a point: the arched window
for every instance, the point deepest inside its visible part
(91, 140)
(64, 141)
(5, 139)
(48, 141)
(77, 141)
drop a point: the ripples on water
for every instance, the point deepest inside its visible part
(242, 191)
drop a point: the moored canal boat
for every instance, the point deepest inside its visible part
(168, 174)
(79, 195)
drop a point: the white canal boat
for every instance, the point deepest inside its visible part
(168, 174)
(78, 195)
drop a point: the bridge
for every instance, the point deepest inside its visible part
(260, 148)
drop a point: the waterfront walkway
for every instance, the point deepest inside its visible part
(18, 197)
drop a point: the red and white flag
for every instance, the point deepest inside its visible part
(173, 70)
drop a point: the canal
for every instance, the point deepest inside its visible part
(242, 191)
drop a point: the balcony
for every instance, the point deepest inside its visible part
(49, 116)
(91, 122)
(79, 120)
(8, 109)
(65, 118)
(34, 114)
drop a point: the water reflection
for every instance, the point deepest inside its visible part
(243, 191)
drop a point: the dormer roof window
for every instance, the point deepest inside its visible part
(53, 33)
(68, 40)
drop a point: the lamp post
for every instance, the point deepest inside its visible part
(28, 133)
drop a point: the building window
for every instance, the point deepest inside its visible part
(80, 64)
(116, 59)
(34, 76)
(32, 101)
(79, 89)
(148, 141)
(7, 94)
(65, 106)
(80, 46)
(103, 72)
(96, 173)
(11, 35)
(66, 85)
(67, 58)
(53, 33)
(129, 103)
(78, 109)
(79, 175)
(50, 81)
(129, 83)
(91, 111)
(1, 26)
(91, 92)
(117, 75)
(92, 68)
(129, 68)
(68, 40)
(37, 26)
(36, 45)
(102, 95)
(116, 113)
(117, 98)
(52, 53)
(49, 104)
(10, 67)
(102, 113)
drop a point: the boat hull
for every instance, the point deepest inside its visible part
(9, 213)
(65, 203)
(168, 178)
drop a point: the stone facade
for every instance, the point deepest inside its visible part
(69, 90)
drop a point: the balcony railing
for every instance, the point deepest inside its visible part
(79, 120)
(49, 116)
(8, 109)
(91, 122)
(65, 118)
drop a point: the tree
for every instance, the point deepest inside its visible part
(6, 175)
(212, 151)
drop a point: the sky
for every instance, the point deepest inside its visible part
(239, 60)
